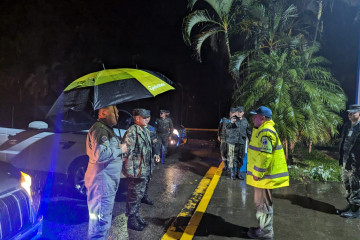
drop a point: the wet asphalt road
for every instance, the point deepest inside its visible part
(171, 186)
(302, 211)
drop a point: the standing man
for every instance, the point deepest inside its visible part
(222, 139)
(237, 130)
(102, 176)
(155, 157)
(266, 170)
(350, 161)
(136, 167)
(164, 127)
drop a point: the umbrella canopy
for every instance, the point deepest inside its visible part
(110, 87)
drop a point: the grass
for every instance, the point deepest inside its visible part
(314, 166)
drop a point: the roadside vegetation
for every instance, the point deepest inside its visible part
(272, 50)
(314, 166)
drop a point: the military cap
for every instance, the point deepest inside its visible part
(233, 109)
(262, 111)
(141, 112)
(240, 108)
(354, 108)
(164, 111)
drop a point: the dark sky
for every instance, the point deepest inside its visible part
(73, 38)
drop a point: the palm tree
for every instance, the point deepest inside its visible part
(214, 25)
(302, 93)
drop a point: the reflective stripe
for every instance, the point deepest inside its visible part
(259, 149)
(276, 136)
(259, 169)
(278, 175)
(254, 148)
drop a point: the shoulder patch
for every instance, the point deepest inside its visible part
(266, 145)
(104, 139)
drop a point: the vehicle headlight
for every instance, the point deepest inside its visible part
(176, 132)
(25, 182)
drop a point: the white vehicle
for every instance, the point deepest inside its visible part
(43, 152)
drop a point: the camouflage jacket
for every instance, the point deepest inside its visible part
(137, 160)
(222, 128)
(349, 146)
(105, 159)
(238, 131)
(164, 126)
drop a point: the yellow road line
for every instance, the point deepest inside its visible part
(176, 230)
(201, 208)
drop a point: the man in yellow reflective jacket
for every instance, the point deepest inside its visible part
(266, 170)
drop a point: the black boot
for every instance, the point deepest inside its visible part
(141, 220)
(239, 176)
(232, 176)
(352, 213)
(340, 211)
(134, 224)
(147, 200)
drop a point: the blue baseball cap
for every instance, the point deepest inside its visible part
(262, 111)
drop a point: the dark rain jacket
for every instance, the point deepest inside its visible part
(164, 126)
(238, 131)
(156, 144)
(349, 146)
(105, 162)
(137, 161)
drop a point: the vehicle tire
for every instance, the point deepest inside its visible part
(76, 176)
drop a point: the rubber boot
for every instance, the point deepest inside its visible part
(141, 220)
(232, 176)
(238, 175)
(147, 200)
(134, 224)
(354, 212)
(340, 211)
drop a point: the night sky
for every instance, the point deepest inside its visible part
(64, 40)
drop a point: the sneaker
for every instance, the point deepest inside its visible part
(258, 233)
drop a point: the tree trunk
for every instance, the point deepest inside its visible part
(310, 146)
(286, 143)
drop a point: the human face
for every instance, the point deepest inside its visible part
(354, 117)
(258, 120)
(147, 120)
(240, 114)
(141, 121)
(162, 115)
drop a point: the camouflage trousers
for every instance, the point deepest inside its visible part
(264, 209)
(351, 182)
(223, 149)
(135, 192)
(236, 153)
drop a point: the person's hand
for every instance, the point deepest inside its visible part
(157, 158)
(233, 120)
(256, 178)
(219, 139)
(123, 147)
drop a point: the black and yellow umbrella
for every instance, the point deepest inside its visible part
(110, 87)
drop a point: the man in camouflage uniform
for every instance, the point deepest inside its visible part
(237, 130)
(137, 167)
(156, 147)
(102, 176)
(350, 161)
(164, 127)
(222, 139)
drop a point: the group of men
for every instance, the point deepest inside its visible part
(134, 156)
(232, 134)
(266, 163)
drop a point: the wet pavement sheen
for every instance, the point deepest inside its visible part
(301, 211)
